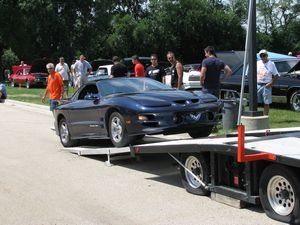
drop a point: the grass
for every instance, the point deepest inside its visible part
(280, 115)
(32, 95)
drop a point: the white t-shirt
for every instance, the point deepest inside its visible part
(63, 70)
(265, 71)
(81, 67)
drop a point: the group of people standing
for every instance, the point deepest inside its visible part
(61, 76)
(154, 70)
(210, 74)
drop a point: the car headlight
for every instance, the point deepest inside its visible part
(143, 118)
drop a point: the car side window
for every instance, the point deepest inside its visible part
(88, 91)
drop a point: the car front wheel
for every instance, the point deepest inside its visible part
(117, 130)
(64, 134)
(295, 101)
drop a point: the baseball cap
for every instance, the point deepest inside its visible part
(263, 51)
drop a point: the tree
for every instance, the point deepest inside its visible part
(9, 58)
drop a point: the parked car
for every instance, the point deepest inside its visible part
(23, 75)
(191, 77)
(126, 109)
(103, 72)
(145, 60)
(30, 75)
(287, 85)
(100, 62)
(128, 63)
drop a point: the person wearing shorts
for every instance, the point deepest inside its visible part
(267, 74)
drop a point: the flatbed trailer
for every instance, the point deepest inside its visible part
(268, 173)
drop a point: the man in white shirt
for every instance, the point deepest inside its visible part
(82, 68)
(63, 69)
(266, 76)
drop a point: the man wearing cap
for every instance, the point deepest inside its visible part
(266, 76)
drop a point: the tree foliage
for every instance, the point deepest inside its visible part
(9, 58)
(102, 28)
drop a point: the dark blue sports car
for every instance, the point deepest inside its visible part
(126, 109)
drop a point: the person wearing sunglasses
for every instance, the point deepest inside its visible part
(267, 74)
(155, 71)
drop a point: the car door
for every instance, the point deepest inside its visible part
(85, 114)
(234, 82)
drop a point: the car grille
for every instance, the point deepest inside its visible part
(187, 101)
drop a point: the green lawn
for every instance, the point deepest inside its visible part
(32, 95)
(280, 114)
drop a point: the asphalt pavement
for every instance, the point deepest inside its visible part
(43, 184)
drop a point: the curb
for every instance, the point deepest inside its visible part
(29, 106)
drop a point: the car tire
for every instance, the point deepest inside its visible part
(27, 84)
(295, 101)
(117, 130)
(279, 191)
(64, 134)
(197, 164)
(201, 132)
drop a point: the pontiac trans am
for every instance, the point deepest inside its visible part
(126, 109)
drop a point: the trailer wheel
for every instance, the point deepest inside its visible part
(201, 132)
(279, 191)
(117, 131)
(64, 134)
(198, 165)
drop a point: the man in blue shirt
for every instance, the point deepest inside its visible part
(3, 94)
(211, 70)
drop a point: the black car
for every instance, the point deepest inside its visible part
(287, 85)
(125, 109)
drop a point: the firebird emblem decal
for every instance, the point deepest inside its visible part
(195, 116)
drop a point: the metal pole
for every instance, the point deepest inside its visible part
(251, 57)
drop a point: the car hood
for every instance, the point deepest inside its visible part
(164, 98)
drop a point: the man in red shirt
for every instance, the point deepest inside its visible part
(139, 70)
(55, 87)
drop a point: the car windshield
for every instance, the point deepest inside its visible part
(129, 85)
(285, 66)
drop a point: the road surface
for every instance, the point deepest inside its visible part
(43, 184)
